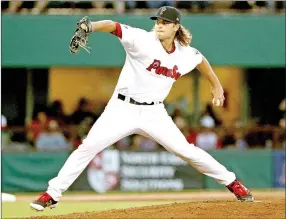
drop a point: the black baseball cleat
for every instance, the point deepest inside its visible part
(241, 193)
(43, 202)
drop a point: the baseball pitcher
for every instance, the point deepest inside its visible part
(154, 61)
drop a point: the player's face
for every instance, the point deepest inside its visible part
(165, 29)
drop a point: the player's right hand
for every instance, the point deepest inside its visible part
(218, 97)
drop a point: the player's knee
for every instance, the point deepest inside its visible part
(86, 145)
(187, 151)
(92, 146)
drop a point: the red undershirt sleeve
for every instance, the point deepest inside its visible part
(118, 30)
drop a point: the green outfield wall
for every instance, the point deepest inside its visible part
(253, 167)
(23, 172)
(141, 171)
(240, 40)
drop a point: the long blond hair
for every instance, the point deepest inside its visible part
(183, 36)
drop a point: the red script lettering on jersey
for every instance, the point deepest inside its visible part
(160, 70)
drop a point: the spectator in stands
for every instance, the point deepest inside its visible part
(141, 143)
(82, 111)
(37, 125)
(206, 138)
(259, 138)
(36, 7)
(3, 123)
(33, 7)
(56, 112)
(147, 4)
(234, 139)
(84, 127)
(189, 5)
(228, 140)
(282, 108)
(5, 138)
(177, 113)
(241, 6)
(19, 6)
(261, 4)
(78, 133)
(135, 5)
(52, 139)
(80, 4)
(282, 123)
(210, 112)
(83, 4)
(240, 141)
(180, 121)
(158, 4)
(192, 136)
(123, 144)
(280, 6)
(148, 145)
(11, 6)
(4, 6)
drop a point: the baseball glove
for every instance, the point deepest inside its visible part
(80, 37)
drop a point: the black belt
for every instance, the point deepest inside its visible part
(132, 101)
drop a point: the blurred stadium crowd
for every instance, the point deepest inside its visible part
(105, 7)
(52, 130)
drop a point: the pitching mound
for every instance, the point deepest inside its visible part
(273, 208)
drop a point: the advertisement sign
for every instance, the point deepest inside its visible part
(141, 171)
(147, 171)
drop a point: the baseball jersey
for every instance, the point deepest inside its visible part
(149, 70)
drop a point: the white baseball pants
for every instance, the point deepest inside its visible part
(121, 119)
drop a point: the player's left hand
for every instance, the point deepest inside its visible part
(80, 37)
(218, 97)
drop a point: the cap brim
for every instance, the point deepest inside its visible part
(156, 17)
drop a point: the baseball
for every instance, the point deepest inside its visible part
(216, 102)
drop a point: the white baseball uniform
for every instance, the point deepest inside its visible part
(147, 77)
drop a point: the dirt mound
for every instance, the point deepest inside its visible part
(267, 208)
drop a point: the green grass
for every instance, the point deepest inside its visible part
(22, 209)
(115, 192)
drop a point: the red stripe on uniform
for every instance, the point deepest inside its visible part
(118, 31)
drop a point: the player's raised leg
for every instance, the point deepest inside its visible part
(162, 128)
(117, 121)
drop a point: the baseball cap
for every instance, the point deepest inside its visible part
(168, 13)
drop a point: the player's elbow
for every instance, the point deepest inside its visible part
(104, 26)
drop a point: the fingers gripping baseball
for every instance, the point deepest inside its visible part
(80, 37)
(217, 101)
(218, 97)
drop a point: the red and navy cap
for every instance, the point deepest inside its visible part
(168, 13)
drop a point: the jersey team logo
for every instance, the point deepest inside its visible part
(162, 10)
(161, 70)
